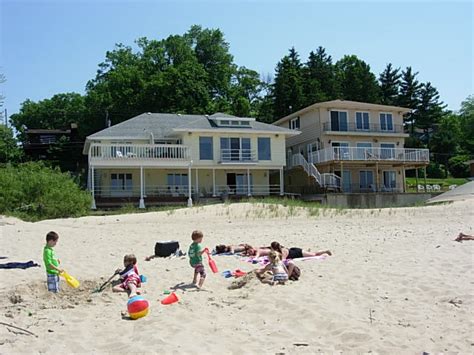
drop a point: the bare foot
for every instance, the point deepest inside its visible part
(328, 252)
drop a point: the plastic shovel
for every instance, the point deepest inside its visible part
(212, 263)
(71, 281)
(101, 288)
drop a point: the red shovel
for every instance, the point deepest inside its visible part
(212, 263)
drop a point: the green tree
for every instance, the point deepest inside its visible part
(319, 78)
(389, 85)
(2, 97)
(446, 139)
(409, 95)
(429, 110)
(466, 115)
(288, 90)
(356, 81)
(9, 150)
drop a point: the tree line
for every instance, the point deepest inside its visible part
(195, 73)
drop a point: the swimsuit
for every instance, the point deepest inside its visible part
(295, 253)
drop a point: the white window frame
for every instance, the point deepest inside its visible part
(295, 123)
(368, 122)
(380, 122)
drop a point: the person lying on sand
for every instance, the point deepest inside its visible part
(234, 249)
(295, 253)
(461, 237)
(129, 276)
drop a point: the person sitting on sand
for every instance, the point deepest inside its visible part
(129, 276)
(277, 268)
(463, 236)
(233, 249)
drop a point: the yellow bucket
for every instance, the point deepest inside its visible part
(71, 281)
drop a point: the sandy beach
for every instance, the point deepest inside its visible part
(396, 283)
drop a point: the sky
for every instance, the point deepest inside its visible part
(50, 47)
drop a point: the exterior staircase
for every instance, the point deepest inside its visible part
(329, 181)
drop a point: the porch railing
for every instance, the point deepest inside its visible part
(99, 151)
(327, 180)
(370, 154)
(238, 156)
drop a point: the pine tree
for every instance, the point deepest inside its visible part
(409, 96)
(389, 85)
(319, 78)
(288, 86)
(429, 110)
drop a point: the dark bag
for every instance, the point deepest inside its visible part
(295, 274)
(166, 248)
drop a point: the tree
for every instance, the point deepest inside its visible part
(356, 81)
(429, 110)
(319, 78)
(446, 139)
(389, 85)
(409, 95)
(2, 97)
(288, 87)
(9, 150)
(245, 93)
(467, 125)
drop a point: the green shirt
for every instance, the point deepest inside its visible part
(48, 259)
(194, 252)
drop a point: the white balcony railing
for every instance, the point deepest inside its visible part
(238, 156)
(370, 154)
(139, 152)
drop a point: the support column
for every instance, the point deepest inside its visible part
(424, 174)
(342, 177)
(213, 182)
(248, 183)
(416, 176)
(404, 180)
(282, 182)
(142, 202)
(93, 206)
(376, 177)
(190, 199)
(197, 184)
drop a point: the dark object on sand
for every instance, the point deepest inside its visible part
(166, 248)
(15, 265)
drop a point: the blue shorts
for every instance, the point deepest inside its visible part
(53, 283)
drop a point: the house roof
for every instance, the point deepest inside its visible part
(344, 104)
(165, 125)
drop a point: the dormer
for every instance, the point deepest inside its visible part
(225, 120)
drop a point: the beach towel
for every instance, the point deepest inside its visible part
(263, 260)
(18, 265)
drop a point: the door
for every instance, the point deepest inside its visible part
(241, 184)
(387, 151)
(389, 181)
(345, 180)
(246, 152)
(341, 150)
(231, 182)
(364, 151)
(366, 180)
(235, 149)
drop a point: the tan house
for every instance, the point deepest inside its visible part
(156, 157)
(350, 146)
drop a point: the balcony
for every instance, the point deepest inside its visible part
(371, 128)
(238, 156)
(139, 155)
(370, 154)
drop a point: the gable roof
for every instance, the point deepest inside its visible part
(343, 104)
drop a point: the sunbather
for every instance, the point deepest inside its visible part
(461, 237)
(221, 248)
(295, 253)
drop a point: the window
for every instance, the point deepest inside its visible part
(177, 183)
(386, 122)
(264, 149)
(47, 138)
(206, 148)
(338, 121)
(224, 123)
(238, 149)
(245, 123)
(121, 182)
(389, 180)
(364, 151)
(295, 123)
(341, 150)
(366, 180)
(362, 121)
(311, 148)
(387, 150)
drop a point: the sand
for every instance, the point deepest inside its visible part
(396, 283)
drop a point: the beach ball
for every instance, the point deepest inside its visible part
(137, 307)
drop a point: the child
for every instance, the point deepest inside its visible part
(277, 268)
(129, 276)
(51, 262)
(195, 258)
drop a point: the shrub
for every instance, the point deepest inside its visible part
(33, 191)
(435, 171)
(457, 166)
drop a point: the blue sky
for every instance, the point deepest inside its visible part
(50, 47)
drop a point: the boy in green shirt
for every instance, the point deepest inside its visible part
(195, 258)
(51, 262)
